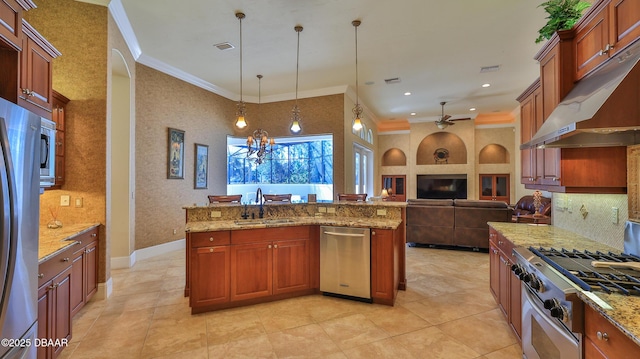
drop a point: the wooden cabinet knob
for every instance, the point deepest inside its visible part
(373, 233)
(275, 246)
(66, 259)
(269, 246)
(94, 235)
(210, 239)
(41, 275)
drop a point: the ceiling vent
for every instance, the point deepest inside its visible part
(224, 46)
(395, 80)
(493, 68)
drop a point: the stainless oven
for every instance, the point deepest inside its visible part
(552, 319)
(47, 153)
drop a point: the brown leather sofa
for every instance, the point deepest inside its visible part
(457, 222)
(524, 206)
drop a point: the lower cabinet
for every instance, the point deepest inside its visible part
(603, 340)
(66, 282)
(503, 284)
(385, 277)
(54, 312)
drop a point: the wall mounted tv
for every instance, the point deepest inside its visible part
(442, 186)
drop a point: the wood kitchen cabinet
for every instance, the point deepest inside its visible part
(84, 263)
(503, 283)
(531, 120)
(602, 340)
(494, 187)
(606, 29)
(210, 268)
(11, 23)
(58, 115)
(55, 290)
(385, 252)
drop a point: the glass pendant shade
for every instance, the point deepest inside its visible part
(357, 124)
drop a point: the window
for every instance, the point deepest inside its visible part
(363, 169)
(297, 165)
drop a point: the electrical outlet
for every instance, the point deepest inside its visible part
(381, 212)
(322, 209)
(64, 200)
(216, 214)
(614, 215)
(570, 205)
(331, 210)
(175, 231)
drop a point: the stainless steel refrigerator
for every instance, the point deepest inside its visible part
(19, 218)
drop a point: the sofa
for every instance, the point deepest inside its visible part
(524, 206)
(449, 222)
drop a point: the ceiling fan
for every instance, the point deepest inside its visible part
(445, 120)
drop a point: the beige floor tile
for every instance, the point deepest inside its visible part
(485, 332)
(511, 352)
(173, 297)
(309, 341)
(353, 331)
(396, 320)
(131, 302)
(256, 347)
(171, 335)
(200, 353)
(432, 343)
(233, 325)
(382, 349)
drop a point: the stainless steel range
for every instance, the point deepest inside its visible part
(552, 313)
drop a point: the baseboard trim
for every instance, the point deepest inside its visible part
(104, 289)
(146, 253)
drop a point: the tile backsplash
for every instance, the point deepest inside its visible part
(597, 224)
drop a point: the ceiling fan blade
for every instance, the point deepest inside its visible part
(445, 117)
(460, 119)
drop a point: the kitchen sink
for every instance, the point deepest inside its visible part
(253, 222)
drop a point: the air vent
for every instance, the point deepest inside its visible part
(493, 68)
(395, 80)
(224, 46)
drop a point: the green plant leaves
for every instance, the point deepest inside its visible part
(563, 14)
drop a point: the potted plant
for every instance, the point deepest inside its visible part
(563, 14)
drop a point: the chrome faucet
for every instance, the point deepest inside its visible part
(259, 200)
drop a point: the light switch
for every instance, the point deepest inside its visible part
(79, 202)
(614, 215)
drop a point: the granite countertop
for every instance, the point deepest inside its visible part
(206, 226)
(620, 310)
(53, 241)
(320, 204)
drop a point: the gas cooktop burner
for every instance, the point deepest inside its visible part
(577, 267)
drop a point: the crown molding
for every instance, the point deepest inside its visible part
(97, 2)
(121, 19)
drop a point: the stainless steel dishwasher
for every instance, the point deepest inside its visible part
(345, 261)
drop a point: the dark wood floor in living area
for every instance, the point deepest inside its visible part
(446, 312)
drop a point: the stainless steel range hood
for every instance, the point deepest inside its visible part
(602, 110)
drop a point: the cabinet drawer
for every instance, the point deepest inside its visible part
(55, 265)
(209, 239)
(269, 234)
(85, 239)
(611, 341)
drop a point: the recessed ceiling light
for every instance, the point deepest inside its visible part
(486, 85)
(413, 113)
(407, 93)
(224, 46)
(472, 109)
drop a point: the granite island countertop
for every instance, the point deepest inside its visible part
(53, 241)
(624, 311)
(206, 226)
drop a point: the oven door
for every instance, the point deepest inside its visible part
(542, 336)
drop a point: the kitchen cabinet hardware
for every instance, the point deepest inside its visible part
(606, 50)
(602, 336)
(65, 259)
(41, 275)
(210, 239)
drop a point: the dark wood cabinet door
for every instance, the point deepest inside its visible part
(11, 23)
(384, 252)
(62, 308)
(515, 305)
(251, 270)
(624, 23)
(290, 266)
(77, 281)
(35, 78)
(210, 276)
(495, 187)
(494, 271)
(396, 187)
(91, 268)
(591, 41)
(45, 317)
(504, 272)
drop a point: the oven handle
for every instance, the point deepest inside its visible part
(534, 303)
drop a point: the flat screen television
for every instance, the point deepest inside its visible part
(442, 186)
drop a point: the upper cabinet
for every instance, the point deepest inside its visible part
(606, 30)
(25, 58)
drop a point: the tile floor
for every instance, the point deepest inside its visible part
(446, 312)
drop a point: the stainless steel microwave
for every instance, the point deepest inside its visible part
(47, 153)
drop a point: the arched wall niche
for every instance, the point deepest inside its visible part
(435, 143)
(394, 157)
(493, 153)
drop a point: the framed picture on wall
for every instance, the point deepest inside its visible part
(175, 165)
(201, 172)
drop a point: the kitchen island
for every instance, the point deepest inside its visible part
(233, 259)
(621, 311)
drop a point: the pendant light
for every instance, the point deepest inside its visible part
(241, 111)
(295, 113)
(357, 109)
(258, 142)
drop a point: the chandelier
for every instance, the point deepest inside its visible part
(357, 109)
(241, 109)
(295, 112)
(258, 142)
